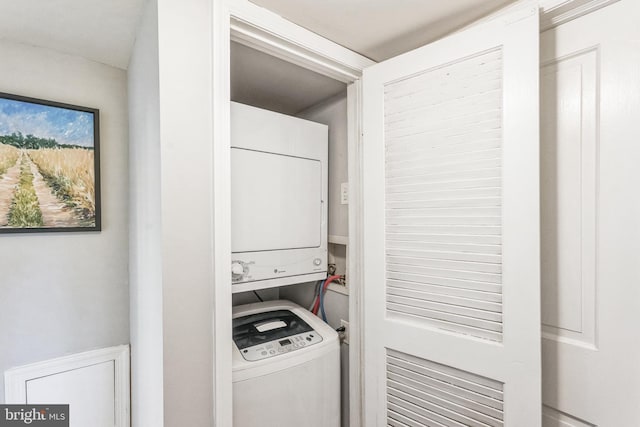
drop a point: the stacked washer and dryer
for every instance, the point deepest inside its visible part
(286, 361)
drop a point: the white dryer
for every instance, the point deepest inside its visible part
(286, 367)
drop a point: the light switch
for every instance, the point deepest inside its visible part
(344, 193)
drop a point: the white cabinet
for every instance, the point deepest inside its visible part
(95, 384)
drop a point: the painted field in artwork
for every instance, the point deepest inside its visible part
(47, 174)
(8, 157)
(69, 172)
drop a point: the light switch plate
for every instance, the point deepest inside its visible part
(344, 193)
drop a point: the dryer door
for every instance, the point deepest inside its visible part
(276, 201)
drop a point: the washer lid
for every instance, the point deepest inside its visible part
(261, 328)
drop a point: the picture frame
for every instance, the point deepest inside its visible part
(49, 166)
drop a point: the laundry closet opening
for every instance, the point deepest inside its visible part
(273, 85)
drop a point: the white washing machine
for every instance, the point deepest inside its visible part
(286, 367)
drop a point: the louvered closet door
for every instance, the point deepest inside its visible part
(451, 208)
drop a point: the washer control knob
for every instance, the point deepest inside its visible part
(317, 262)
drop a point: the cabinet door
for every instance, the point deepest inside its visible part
(89, 391)
(451, 209)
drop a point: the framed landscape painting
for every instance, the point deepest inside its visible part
(49, 166)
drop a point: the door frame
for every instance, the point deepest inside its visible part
(261, 29)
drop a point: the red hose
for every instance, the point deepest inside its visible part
(323, 289)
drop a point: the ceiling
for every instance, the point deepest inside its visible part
(381, 29)
(267, 82)
(378, 29)
(104, 30)
(100, 30)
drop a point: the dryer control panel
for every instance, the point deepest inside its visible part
(269, 334)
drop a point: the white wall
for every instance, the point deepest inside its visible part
(62, 293)
(172, 258)
(145, 225)
(186, 135)
(333, 112)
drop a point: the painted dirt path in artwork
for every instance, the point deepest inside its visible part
(8, 183)
(54, 212)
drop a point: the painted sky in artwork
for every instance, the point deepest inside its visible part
(65, 126)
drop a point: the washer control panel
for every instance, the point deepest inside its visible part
(281, 346)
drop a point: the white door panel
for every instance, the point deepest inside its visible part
(89, 392)
(451, 200)
(591, 219)
(568, 191)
